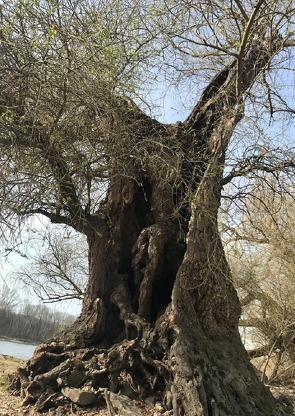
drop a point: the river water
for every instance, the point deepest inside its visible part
(16, 349)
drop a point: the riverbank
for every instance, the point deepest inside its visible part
(19, 340)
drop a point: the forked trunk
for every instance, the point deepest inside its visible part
(160, 314)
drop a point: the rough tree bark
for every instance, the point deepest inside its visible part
(160, 305)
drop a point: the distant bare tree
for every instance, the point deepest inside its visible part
(56, 268)
(262, 258)
(9, 298)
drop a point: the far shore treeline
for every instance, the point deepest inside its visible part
(33, 323)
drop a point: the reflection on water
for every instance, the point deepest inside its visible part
(16, 349)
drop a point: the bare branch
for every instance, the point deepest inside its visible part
(242, 10)
(257, 163)
(244, 43)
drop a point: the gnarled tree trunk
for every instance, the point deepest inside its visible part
(160, 311)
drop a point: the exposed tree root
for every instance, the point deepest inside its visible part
(194, 374)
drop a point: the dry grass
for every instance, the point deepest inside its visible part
(8, 365)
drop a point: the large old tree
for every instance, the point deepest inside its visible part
(78, 146)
